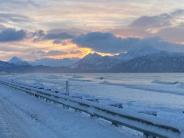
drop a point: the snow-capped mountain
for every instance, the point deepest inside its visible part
(148, 58)
(143, 59)
(158, 62)
(138, 52)
(18, 61)
(96, 62)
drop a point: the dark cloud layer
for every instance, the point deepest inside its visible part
(161, 20)
(174, 34)
(108, 43)
(51, 35)
(9, 34)
(58, 36)
(152, 21)
(104, 42)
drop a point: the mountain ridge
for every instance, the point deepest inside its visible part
(140, 60)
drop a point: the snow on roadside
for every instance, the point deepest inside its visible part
(38, 119)
(163, 99)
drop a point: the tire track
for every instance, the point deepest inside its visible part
(8, 126)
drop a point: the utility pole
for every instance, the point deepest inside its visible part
(67, 88)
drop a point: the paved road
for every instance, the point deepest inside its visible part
(24, 116)
(8, 125)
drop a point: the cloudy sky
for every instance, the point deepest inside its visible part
(35, 29)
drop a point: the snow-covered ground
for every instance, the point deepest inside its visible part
(155, 94)
(24, 116)
(150, 90)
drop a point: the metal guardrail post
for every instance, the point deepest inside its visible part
(145, 135)
(67, 88)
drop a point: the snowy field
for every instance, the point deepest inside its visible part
(154, 94)
(163, 89)
(158, 92)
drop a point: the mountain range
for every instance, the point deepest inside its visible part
(144, 59)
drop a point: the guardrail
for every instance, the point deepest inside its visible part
(150, 126)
